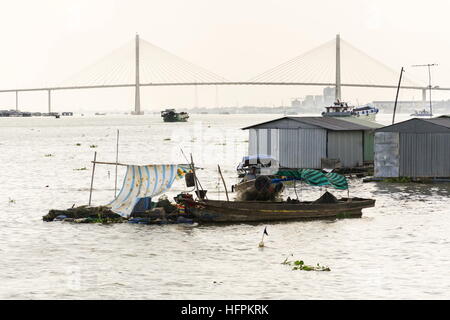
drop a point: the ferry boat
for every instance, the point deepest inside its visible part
(367, 111)
(169, 115)
(342, 109)
(422, 113)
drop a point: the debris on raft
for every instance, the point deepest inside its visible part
(82, 212)
(103, 214)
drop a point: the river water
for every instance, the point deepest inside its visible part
(399, 249)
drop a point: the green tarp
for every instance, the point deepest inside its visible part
(316, 178)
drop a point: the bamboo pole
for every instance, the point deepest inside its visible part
(123, 164)
(191, 164)
(110, 163)
(195, 176)
(92, 178)
(117, 161)
(223, 180)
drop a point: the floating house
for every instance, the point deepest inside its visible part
(314, 142)
(416, 148)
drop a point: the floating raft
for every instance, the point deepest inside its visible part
(103, 214)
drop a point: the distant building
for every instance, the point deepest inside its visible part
(329, 95)
(296, 103)
(304, 142)
(308, 101)
(416, 148)
(318, 101)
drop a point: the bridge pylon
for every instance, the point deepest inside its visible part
(338, 68)
(137, 95)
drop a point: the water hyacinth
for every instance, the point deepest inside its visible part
(300, 265)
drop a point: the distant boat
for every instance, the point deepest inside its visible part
(14, 113)
(170, 115)
(100, 114)
(342, 109)
(367, 112)
(422, 113)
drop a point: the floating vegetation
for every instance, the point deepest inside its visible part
(93, 146)
(300, 265)
(80, 169)
(11, 200)
(49, 155)
(167, 139)
(78, 144)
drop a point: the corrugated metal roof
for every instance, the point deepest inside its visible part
(330, 123)
(441, 124)
(441, 121)
(367, 123)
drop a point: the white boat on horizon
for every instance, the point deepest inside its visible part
(342, 109)
(421, 113)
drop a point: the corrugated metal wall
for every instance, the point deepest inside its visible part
(263, 141)
(368, 145)
(386, 159)
(302, 148)
(275, 143)
(424, 154)
(252, 142)
(346, 146)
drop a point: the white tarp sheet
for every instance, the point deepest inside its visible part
(144, 181)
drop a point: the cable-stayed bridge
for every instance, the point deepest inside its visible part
(139, 63)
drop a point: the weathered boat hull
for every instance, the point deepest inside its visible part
(257, 211)
(246, 191)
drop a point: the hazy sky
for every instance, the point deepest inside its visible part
(49, 40)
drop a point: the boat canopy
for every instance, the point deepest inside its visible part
(314, 178)
(145, 181)
(263, 159)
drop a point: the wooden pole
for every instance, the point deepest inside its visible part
(195, 176)
(396, 96)
(109, 163)
(92, 178)
(117, 161)
(223, 180)
(191, 164)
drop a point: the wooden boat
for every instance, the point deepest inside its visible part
(263, 211)
(261, 189)
(169, 115)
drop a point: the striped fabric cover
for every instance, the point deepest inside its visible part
(144, 181)
(317, 178)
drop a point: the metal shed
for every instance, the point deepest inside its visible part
(302, 142)
(369, 135)
(416, 148)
